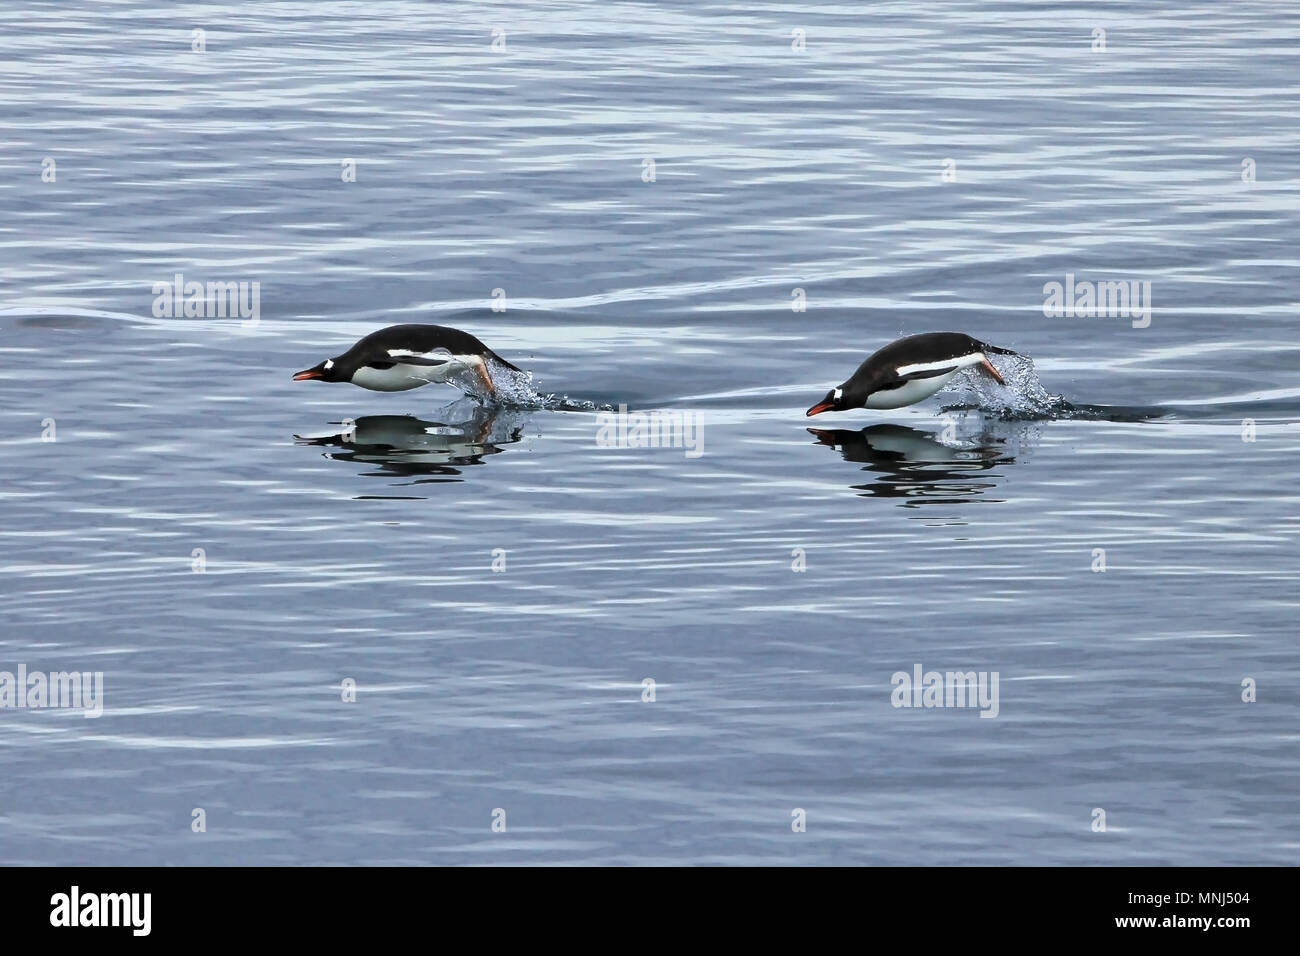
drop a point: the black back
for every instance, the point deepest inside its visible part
(880, 370)
(373, 348)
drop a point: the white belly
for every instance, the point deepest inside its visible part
(916, 390)
(400, 377)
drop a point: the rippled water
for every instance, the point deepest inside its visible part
(228, 546)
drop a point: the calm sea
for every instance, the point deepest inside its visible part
(340, 626)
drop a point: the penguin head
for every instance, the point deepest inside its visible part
(326, 371)
(833, 402)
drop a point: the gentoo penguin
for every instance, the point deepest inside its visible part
(909, 370)
(401, 357)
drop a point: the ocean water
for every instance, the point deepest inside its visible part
(346, 627)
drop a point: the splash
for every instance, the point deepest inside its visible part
(1023, 395)
(514, 389)
(1012, 437)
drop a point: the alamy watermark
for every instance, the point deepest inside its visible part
(82, 690)
(216, 300)
(661, 428)
(75, 908)
(1110, 298)
(929, 689)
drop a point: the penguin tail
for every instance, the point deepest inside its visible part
(997, 350)
(497, 358)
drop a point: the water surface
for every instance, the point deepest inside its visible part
(349, 535)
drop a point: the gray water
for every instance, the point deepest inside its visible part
(228, 547)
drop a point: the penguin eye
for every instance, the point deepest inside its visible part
(837, 394)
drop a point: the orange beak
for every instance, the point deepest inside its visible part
(819, 408)
(304, 375)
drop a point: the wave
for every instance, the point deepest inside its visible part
(1023, 396)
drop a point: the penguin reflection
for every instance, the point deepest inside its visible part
(405, 446)
(915, 465)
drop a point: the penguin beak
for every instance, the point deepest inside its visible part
(309, 373)
(830, 403)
